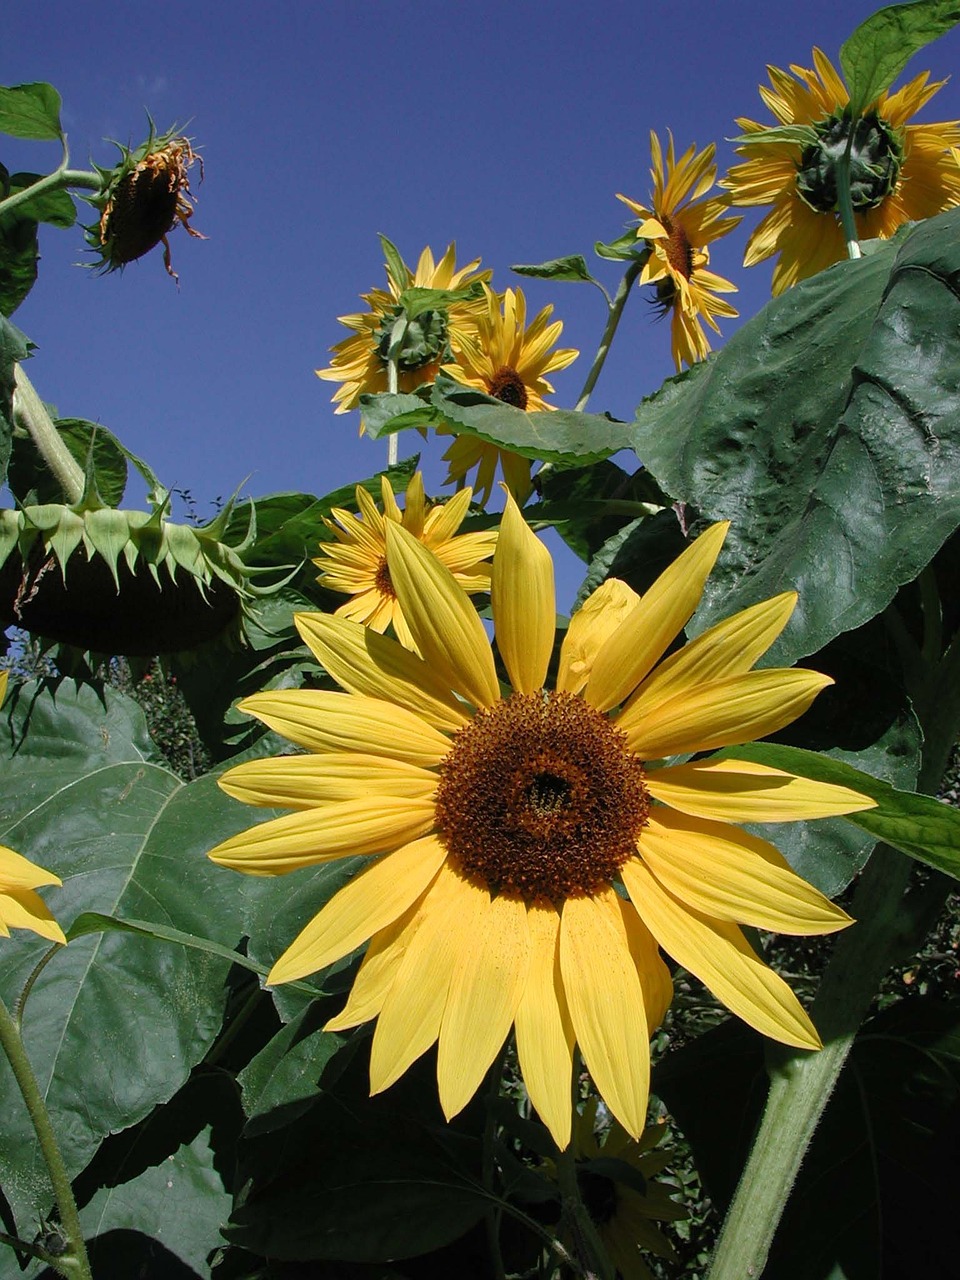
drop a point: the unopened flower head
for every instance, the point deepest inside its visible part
(529, 852)
(899, 172)
(679, 223)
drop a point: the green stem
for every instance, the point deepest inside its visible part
(615, 311)
(60, 179)
(889, 926)
(393, 444)
(29, 414)
(845, 202)
(38, 968)
(489, 1168)
(74, 1261)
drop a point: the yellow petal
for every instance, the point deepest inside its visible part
(365, 662)
(722, 713)
(662, 612)
(488, 978)
(524, 601)
(606, 1006)
(24, 909)
(322, 721)
(350, 827)
(590, 628)
(653, 973)
(409, 1021)
(724, 872)
(377, 972)
(18, 872)
(370, 902)
(304, 782)
(717, 953)
(728, 649)
(741, 791)
(443, 622)
(545, 1037)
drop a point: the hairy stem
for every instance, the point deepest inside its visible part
(29, 414)
(844, 201)
(73, 1262)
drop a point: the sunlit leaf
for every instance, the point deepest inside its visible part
(573, 267)
(30, 111)
(875, 54)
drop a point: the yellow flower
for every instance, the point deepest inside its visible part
(529, 851)
(20, 907)
(506, 359)
(901, 172)
(360, 361)
(357, 562)
(678, 234)
(625, 1217)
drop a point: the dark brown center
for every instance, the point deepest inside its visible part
(382, 580)
(507, 385)
(678, 248)
(539, 796)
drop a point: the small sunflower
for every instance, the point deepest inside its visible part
(508, 360)
(625, 1217)
(20, 906)
(142, 199)
(356, 563)
(678, 234)
(900, 172)
(360, 361)
(528, 851)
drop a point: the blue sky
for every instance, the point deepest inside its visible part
(507, 127)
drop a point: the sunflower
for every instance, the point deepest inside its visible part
(529, 852)
(678, 234)
(508, 360)
(625, 1217)
(899, 172)
(20, 907)
(360, 361)
(356, 563)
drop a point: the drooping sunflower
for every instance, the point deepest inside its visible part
(529, 851)
(356, 563)
(678, 224)
(625, 1217)
(900, 172)
(20, 906)
(360, 361)
(509, 360)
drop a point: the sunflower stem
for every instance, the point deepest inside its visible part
(489, 1168)
(588, 1247)
(60, 179)
(889, 925)
(73, 1262)
(30, 414)
(614, 312)
(393, 447)
(845, 200)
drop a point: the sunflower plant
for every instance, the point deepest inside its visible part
(497, 941)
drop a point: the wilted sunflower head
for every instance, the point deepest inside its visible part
(142, 199)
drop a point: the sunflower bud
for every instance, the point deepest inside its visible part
(142, 199)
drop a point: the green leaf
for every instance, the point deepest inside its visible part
(918, 825)
(114, 1023)
(573, 267)
(388, 413)
(14, 346)
(623, 248)
(396, 267)
(30, 111)
(801, 135)
(282, 1080)
(833, 418)
(54, 205)
(875, 54)
(588, 505)
(32, 483)
(416, 300)
(562, 435)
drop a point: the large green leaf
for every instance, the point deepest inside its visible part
(573, 267)
(114, 1022)
(875, 54)
(30, 111)
(32, 483)
(828, 432)
(19, 249)
(589, 505)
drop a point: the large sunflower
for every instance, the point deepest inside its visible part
(900, 172)
(529, 851)
(356, 563)
(20, 906)
(678, 234)
(360, 361)
(508, 360)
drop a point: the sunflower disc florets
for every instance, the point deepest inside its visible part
(142, 199)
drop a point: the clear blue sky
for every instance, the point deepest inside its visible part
(508, 127)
